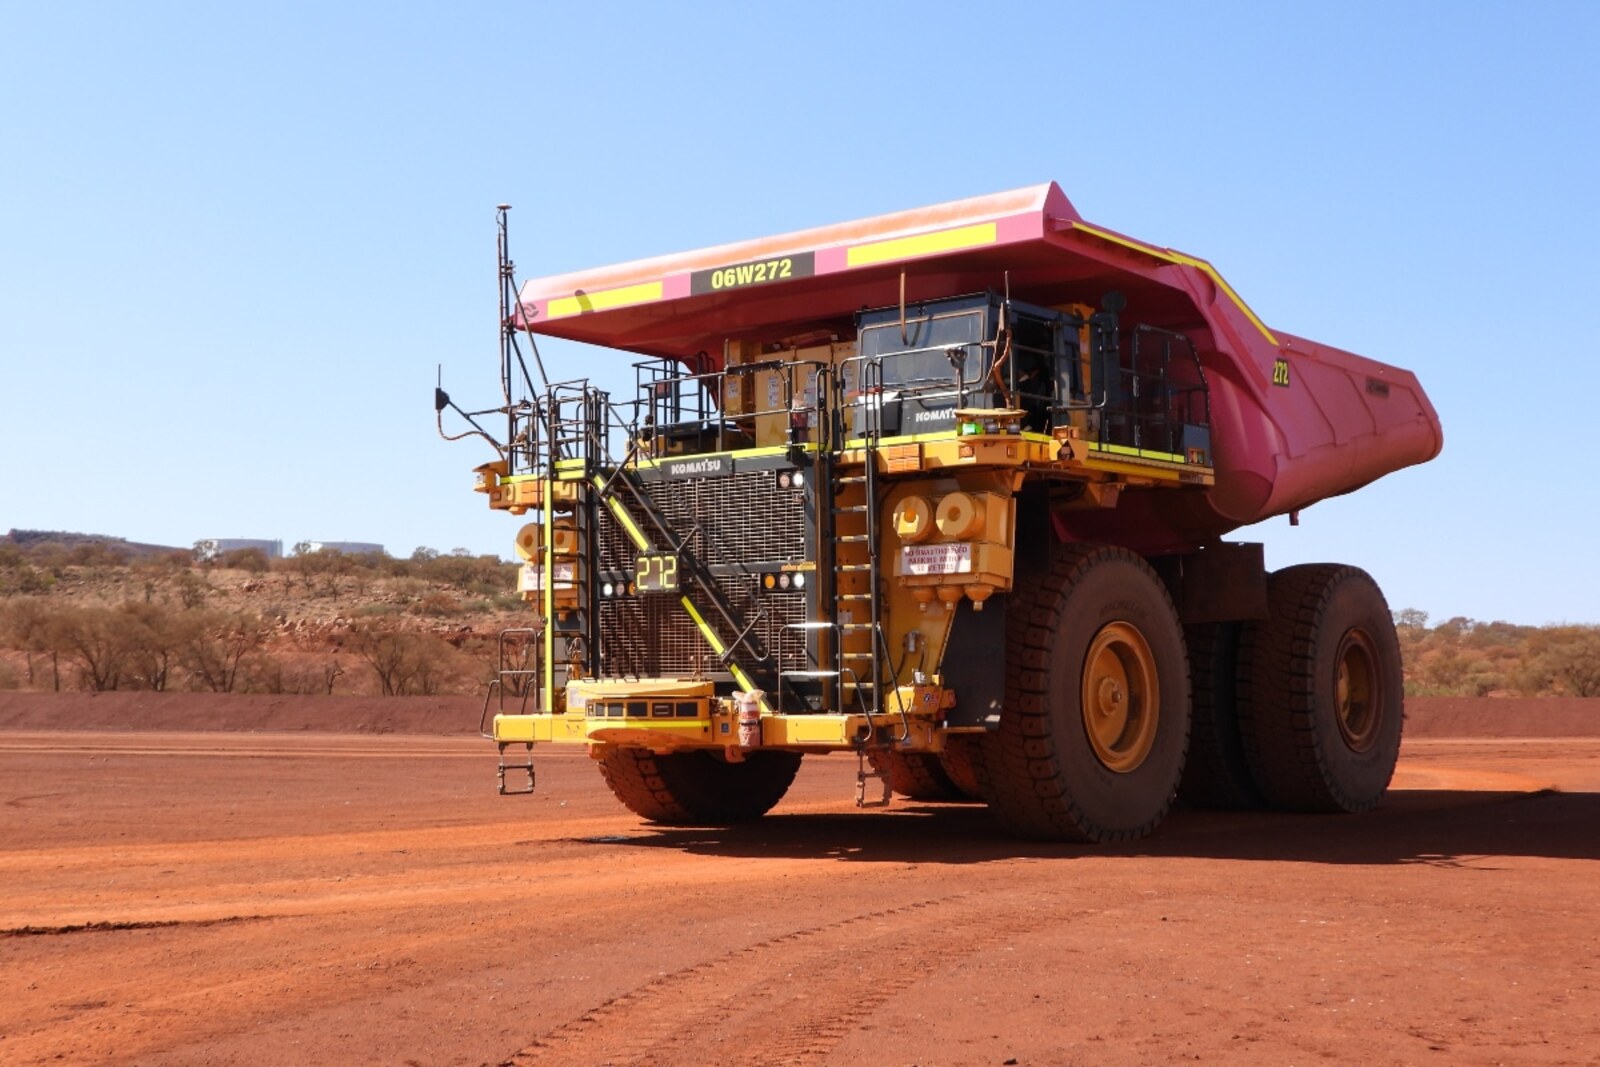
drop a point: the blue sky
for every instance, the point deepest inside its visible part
(235, 240)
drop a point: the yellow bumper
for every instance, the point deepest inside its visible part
(665, 715)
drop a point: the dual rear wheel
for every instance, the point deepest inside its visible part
(1319, 691)
(1112, 708)
(944, 775)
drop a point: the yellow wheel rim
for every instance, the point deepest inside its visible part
(1357, 701)
(1121, 697)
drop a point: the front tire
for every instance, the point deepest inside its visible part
(1321, 692)
(698, 788)
(1095, 725)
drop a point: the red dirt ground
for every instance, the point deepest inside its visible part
(333, 896)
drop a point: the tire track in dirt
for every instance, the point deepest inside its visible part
(118, 924)
(787, 1000)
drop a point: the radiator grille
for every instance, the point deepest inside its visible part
(733, 524)
(742, 519)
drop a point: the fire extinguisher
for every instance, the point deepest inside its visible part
(748, 705)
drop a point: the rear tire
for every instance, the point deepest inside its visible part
(698, 787)
(956, 759)
(915, 775)
(1321, 691)
(1095, 723)
(1217, 773)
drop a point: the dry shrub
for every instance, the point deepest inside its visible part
(438, 605)
(405, 662)
(297, 675)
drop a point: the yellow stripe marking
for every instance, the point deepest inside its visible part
(1189, 261)
(925, 244)
(736, 454)
(548, 599)
(1147, 453)
(636, 535)
(578, 303)
(719, 648)
(705, 629)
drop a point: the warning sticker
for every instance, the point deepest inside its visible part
(529, 578)
(936, 559)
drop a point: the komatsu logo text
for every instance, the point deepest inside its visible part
(700, 467)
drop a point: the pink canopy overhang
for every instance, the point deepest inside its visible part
(1293, 421)
(683, 304)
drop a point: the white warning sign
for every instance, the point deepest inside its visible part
(936, 559)
(529, 578)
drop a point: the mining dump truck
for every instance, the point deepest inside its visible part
(947, 489)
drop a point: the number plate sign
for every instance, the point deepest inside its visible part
(656, 572)
(755, 272)
(936, 559)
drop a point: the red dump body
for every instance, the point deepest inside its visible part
(1293, 421)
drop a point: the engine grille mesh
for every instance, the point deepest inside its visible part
(738, 523)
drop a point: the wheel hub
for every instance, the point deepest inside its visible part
(1358, 701)
(1121, 697)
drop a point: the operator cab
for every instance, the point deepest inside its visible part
(916, 367)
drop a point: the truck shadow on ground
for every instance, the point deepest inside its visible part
(1439, 828)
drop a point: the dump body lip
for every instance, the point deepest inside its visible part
(1295, 421)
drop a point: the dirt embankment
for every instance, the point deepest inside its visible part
(1502, 717)
(1426, 717)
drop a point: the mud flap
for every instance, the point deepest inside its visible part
(974, 663)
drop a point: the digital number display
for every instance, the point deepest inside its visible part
(656, 572)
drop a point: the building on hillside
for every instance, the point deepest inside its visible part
(212, 547)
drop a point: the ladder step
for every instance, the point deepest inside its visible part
(854, 567)
(855, 596)
(855, 538)
(855, 626)
(853, 509)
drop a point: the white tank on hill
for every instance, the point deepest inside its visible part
(212, 547)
